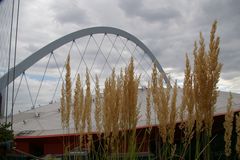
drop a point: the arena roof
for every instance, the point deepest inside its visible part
(46, 120)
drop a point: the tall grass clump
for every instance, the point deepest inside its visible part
(116, 113)
(205, 78)
(199, 97)
(66, 101)
(165, 109)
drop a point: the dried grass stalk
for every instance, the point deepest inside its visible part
(238, 135)
(62, 107)
(206, 76)
(228, 125)
(98, 106)
(148, 105)
(68, 91)
(188, 103)
(77, 104)
(172, 121)
(88, 102)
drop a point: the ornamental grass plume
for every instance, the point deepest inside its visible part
(62, 107)
(228, 125)
(130, 103)
(68, 91)
(98, 107)
(88, 102)
(188, 103)
(205, 77)
(117, 107)
(238, 135)
(77, 104)
(200, 83)
(122, 108)
(163, 109)
(213, 73)
(187, 97)
(148, 105)
(88, 109)
(65, 99)
(172, 120)
(114, 105)
(106, 109)
(161, 97)
(154, 87)
(111, 106)
(111, 111)
(130, 87)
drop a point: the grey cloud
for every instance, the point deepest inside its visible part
(222, 9)
(136, 8)
(69, 12)
(228, 15)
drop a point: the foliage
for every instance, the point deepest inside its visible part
(5, 133)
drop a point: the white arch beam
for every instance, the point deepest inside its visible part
(35, 57)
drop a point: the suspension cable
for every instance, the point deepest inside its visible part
(42, 80)
(61, 77)
(102, 53)
(136, 59)
(9, 59)
(14, 63)
(18, 89)
(28, 88)
(60, 73)
(84, 52)
(120, 54)
(97, 52)
(110, 51)
(84, 60)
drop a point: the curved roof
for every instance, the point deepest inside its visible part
(48, 122)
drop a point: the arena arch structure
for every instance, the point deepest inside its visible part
(100, 49)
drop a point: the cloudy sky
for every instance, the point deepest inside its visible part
(168, 28)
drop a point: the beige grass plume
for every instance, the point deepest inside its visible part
(238, 135)
(228, 125)
(98, 107)
(77, 104)
(173, 117)
(68, 91)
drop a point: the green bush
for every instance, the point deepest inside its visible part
(5, 133)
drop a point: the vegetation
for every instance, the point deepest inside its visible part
(5, 133)
(116, 111)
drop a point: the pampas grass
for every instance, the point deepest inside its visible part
(117, 109)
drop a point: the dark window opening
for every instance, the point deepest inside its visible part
(36, 149)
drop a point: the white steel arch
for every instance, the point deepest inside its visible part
(7, 78)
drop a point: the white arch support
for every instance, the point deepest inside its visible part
(35, 57)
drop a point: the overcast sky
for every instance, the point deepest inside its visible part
(168, 28)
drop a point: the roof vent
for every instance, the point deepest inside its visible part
(24, 121)
(37, 114)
